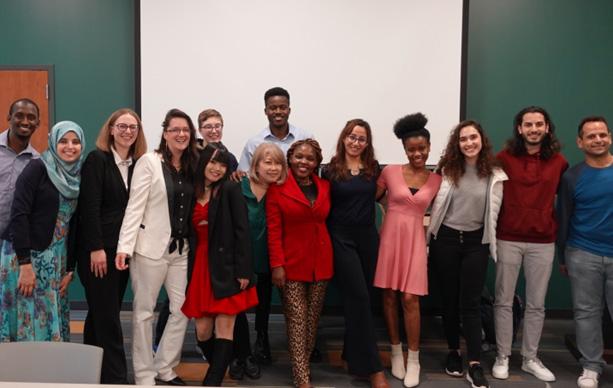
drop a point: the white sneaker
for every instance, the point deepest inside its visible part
(500, 370)
(397, 361)
(589, 379)
(411, 379)
(536, 368)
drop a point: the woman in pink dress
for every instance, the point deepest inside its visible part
(402, 263)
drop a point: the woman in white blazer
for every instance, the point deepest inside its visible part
(462, 236)
(154, 236)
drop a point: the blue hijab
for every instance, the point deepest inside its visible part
(65, 176)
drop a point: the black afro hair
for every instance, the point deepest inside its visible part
(412, 125)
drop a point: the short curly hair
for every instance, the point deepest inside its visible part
(310, 142)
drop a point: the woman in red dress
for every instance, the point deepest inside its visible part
(221, 273)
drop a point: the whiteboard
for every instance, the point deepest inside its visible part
(339, 59)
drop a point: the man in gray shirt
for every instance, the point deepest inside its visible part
(15, 152)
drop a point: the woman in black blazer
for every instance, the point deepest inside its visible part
(103, 198)
(221, 271)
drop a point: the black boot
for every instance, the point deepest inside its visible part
(219, 363)
(261, 350)
(207, 348)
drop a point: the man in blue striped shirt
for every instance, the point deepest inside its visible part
(585, 241)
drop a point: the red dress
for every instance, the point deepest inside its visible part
(200, 300)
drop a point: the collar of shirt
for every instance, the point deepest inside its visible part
(4, 142)
(291, 135)
(119, 161)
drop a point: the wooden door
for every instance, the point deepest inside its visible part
(32, 83)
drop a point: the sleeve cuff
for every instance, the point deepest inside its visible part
(24, 260)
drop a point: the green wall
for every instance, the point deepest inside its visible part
(91, 45)
(89, 42)
(553, 53)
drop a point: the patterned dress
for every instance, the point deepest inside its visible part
(45, 315)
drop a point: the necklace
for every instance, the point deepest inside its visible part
(305, 183)
(356, 170)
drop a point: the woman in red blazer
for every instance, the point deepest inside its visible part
(300, 250)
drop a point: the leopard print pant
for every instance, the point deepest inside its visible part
(302, 304)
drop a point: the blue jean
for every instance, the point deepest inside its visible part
(591, 280)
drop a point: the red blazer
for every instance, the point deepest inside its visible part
(298, 238)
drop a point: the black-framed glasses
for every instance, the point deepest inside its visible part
(357, 139)
(122, 127)
(208, 127)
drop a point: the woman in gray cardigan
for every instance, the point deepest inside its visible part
(462, 235)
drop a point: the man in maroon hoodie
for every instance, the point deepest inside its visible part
(526, 233)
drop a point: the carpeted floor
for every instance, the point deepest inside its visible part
(330, 372)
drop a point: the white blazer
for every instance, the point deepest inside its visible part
(494, 200)
(146, 223)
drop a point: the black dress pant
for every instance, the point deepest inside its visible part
(102, 324)
(262, 310)
(355, 258)
(460, 260)
(242, 344)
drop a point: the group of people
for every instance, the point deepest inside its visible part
(218, 233)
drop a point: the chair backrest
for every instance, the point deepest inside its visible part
(50, 362)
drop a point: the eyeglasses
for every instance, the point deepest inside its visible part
(177, 130)
(208, 127)
(122, 127)
(357, 139)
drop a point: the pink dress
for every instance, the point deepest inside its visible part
(402, 264)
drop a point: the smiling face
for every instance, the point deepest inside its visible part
(595, 139)
(533, 128)
(214, 171)
(303, 161)
(69, 147)
(417, 149)
(277, 110)
(269, 170)
(177, 135)
(470, 143)
(23, 120)
(124, 131)
(356, 141)
(212, 129)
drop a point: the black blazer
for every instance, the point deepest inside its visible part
(103, 198)
(229, 242)
(34, 214)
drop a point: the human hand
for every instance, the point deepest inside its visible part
(121, 261)
(243, 283)
(65, 282)
(237, 175)
(27, 280)
(278, 277)
(97, 263)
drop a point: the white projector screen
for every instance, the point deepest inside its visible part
(339, 59)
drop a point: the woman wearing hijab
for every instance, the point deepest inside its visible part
(35, 265)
